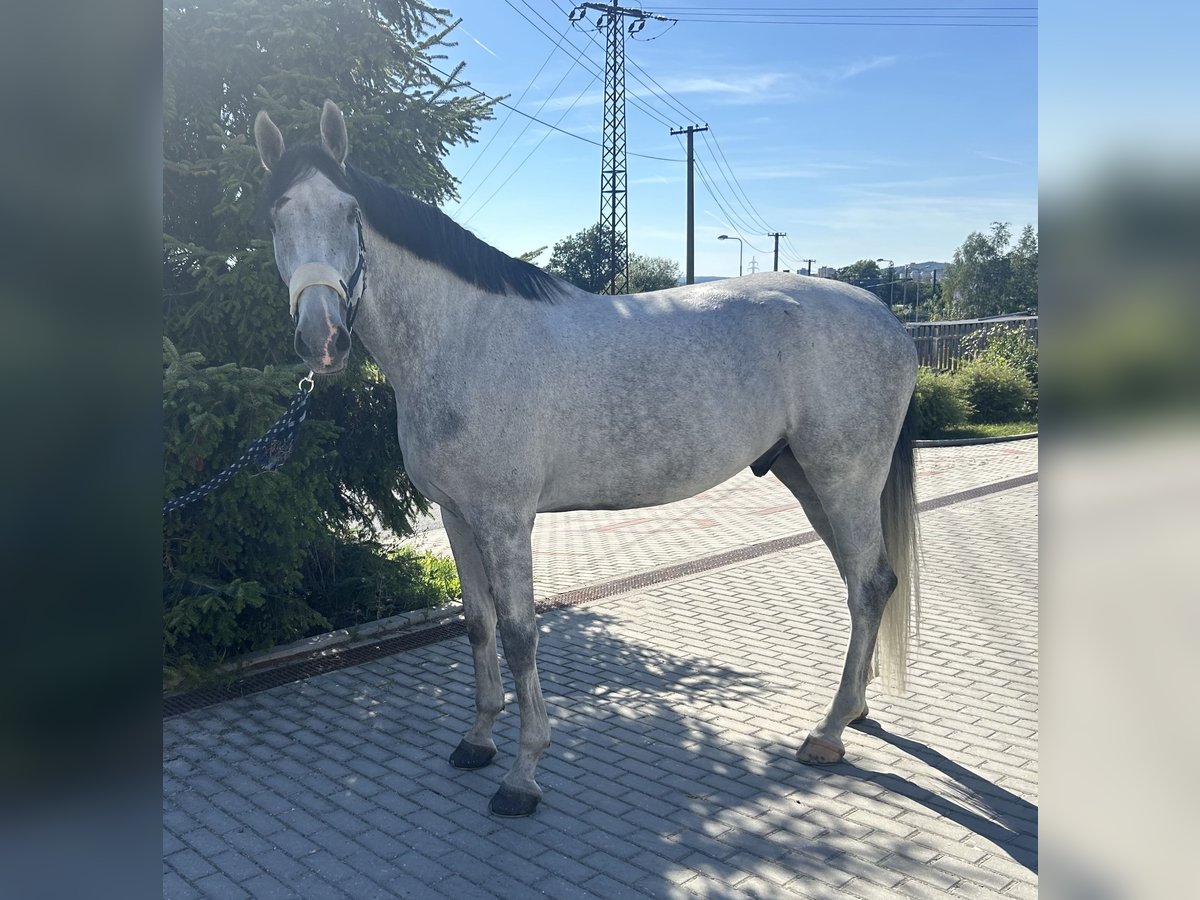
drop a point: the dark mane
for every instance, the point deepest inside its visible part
(418, 227)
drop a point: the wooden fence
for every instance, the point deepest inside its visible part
(939, 343)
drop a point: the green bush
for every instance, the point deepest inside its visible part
(274, 556)
(997, 391)
(1005, 344)
(940, 403)
(369, 585)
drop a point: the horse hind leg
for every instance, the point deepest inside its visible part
(869, 586)
(477, 748)
(791, 474)
(845, 511)
(788, 470)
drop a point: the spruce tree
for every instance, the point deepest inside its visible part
(276, 555)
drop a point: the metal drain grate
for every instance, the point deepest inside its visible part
(334, 659)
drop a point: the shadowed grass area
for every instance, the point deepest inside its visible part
(979, 430)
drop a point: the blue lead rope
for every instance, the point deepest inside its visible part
(269, 452)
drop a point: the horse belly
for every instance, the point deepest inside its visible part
(656, 460)
(568, 493)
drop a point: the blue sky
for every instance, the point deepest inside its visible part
(857, 141)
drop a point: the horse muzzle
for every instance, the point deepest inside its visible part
(322, 338)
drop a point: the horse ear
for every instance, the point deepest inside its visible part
(333, 132)
(268, 139)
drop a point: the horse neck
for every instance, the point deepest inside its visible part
(414, 310)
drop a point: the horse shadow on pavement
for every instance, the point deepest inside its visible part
(982, 806)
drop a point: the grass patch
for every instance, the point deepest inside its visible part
(982, 430)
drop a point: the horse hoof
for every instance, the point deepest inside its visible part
(512, 804)
(817, 751)
(862, 716)
(471, 756)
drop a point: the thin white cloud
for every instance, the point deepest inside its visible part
(854, 69)
(751, 83)
(991, 157)
(745, 87)
(742, 86)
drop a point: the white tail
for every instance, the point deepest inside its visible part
(901, 537)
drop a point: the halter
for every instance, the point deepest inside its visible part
(323, 274)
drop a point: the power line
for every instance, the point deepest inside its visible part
(491, 139)
(833, 11)
(876, 23)
(728, 169)
(749, 207)
(716, 197)
(521, 134)
(871, 16)
(679, 104)
(532, 150)
(451, 81)
(673, 8)
(633, 98)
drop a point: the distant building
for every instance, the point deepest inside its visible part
(827, 272)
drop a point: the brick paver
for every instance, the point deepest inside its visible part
(676, 711)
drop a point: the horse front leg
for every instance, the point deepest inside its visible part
(477, 748)
(505, 547)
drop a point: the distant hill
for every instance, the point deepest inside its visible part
(926, 268)
(682, 279)
(921, 270)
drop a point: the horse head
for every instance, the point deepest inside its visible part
(316, 227)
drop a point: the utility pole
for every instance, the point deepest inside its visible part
(777, 235)
(810, 262)
(917, 300)
(753, 265)
(614, 198)
(691, 203)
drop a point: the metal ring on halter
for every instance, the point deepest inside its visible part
(306, 380)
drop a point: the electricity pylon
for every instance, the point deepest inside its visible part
(614, 201)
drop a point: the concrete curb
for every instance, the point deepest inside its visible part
(344, 638)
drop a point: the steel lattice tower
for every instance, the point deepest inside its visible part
(614, 197)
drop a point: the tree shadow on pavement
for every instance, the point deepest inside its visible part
(340, 785)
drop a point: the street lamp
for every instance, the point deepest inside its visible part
(891, 278)
(741, 247)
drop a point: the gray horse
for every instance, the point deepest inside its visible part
(518, 393)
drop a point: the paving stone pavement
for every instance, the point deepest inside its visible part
(676, 712)
(574, 549)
